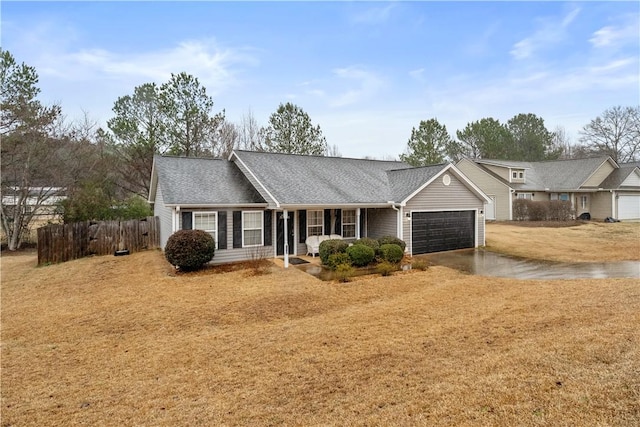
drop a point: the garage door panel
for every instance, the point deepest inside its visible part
(629, 207)
(442, 231)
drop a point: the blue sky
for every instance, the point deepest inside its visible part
(366, 72)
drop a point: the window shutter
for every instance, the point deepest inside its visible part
(268, 235)
(237, 229)
(338, 229)
(222, 230)
(363, 217)
(327, 221)
(187, 220)
(302, 226)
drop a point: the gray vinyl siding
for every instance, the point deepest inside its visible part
(599, 175)
(491, 186)
(381, 222)
(231, 254)
(439, 197)
(165, 214)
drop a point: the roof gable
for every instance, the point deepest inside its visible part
(203, 181)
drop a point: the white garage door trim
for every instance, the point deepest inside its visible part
(629, 206)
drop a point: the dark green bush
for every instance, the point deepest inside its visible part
(392, 240)
(372, 243)
(361, 255)
(391, 253)
(336, 259)
(189, 249)
(386, 268)
(330, 247)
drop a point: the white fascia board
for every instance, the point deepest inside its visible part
(234, 155)
(462, 177)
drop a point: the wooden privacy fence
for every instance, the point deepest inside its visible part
(64, 242)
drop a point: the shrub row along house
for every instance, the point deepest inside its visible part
(597, 186)
(266, 204)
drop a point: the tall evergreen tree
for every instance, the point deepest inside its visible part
(290, 131)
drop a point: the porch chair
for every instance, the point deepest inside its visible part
(313, 245)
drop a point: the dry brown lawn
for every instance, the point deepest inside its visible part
(122, 341)
(589, 242)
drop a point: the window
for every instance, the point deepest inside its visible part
(252, 234)
(315, 223)
(514, 175)
(584, 201)
(207, 221)
(564, 196)
(349, 223)
(554, 196)
(521, 175)
(527, 196)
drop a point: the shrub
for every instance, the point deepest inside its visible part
(521, 209)
(331, 246)
(419, 265)
(344, 272)
(189, 249)
(337, 259)
(385, 240)
(372, 243)
(385, 268)
(538, 211)
(391, 253)
(361, 255)
(560, 210)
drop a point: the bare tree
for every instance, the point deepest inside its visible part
(30, 156)
(250, 134)
(616, 132)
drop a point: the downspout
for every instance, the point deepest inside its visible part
(398, 219)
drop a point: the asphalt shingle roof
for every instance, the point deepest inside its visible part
(405, 181)
(553, 174)
(312, 180)
(194, 181)
(618, 176)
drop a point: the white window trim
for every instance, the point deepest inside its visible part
(261, 228)
(354, 223)
(584, 202)
(524, 196)
(321, 225)
(214, 233)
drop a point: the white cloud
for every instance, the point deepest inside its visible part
(551, 32)
(374, 15)
(613, 36)
(366, 85)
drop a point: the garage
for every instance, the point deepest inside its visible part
(629, 207)
(442, 231)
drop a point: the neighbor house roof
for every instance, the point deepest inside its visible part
(202, 181)
(552, 175)
(618, 176)
(315, 180)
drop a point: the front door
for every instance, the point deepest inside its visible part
(280, 233)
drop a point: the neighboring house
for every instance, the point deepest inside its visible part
(598, 186)
(250, 202)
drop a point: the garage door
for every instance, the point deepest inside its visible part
(629, 207)
(442, 231)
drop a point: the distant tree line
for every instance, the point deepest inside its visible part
(105, 173)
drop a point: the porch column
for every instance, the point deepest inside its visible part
(357, 223)
(174, 219)
(285, 216)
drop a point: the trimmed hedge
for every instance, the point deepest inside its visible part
(336, 259)
(189, 249)
(330, 247)
(361, 255)
(372, 243)
(546, 210)
(391, 253)
(392, 240)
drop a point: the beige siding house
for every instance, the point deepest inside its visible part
(268, 204)
(595, 186)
